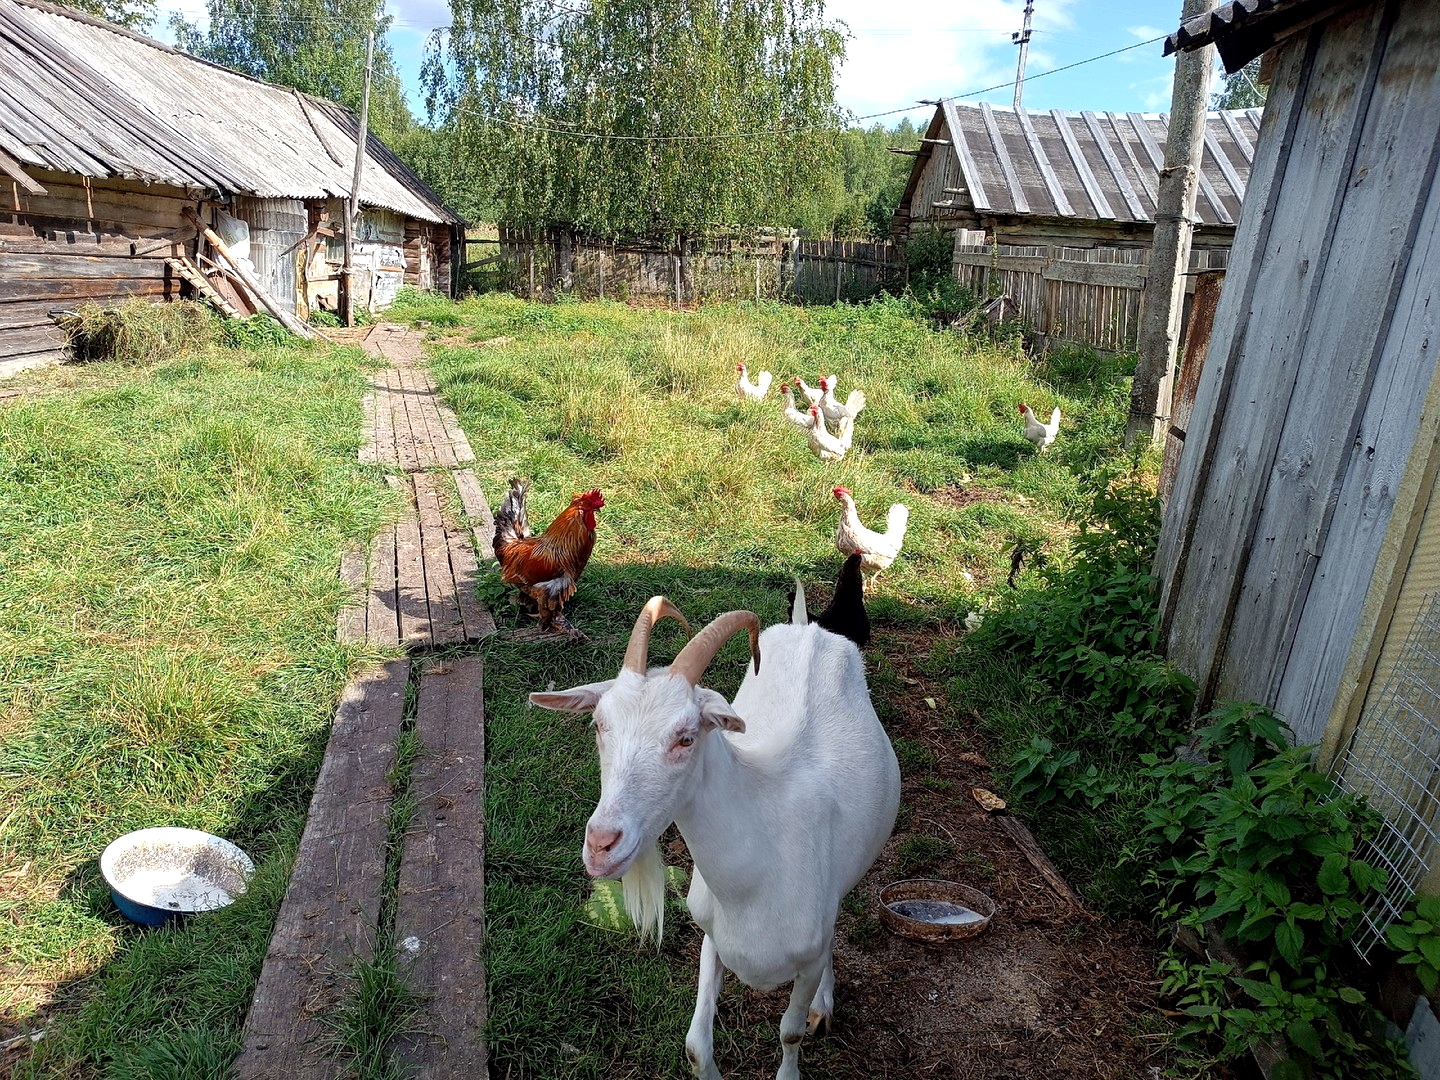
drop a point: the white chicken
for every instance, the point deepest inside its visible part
(748, 390)
(794, 415)
(812, 393)
(876, 550)
(1042, 435)
(825, 446)
(834, 409)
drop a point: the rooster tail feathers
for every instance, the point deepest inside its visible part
(1055, 416)
(763, 381)
(510, 520)
(855, 402)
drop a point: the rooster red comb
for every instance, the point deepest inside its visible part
(1022, 406)
(840, 491)
(592, 498)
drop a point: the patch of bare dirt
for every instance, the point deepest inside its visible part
(960, 496)
(1047, 992)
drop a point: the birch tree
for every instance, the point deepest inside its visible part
(659, 118)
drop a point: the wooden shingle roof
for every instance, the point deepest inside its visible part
(80, 95)
(1081, 166)
(1244, 29)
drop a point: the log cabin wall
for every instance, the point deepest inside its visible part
(84, 240)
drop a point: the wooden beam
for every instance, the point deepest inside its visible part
(1097, 198)
(1117, 173)
(10, 167)
(997, 144)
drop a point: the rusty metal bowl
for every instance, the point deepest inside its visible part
(928, 909)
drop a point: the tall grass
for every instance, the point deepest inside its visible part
(169, 537)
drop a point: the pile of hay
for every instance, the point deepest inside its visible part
(137, 331)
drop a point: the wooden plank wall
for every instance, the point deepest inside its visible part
(768, 266)
(95, 240)
(1306, 415)
(1089, 296)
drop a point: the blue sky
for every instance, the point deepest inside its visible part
(905, 50)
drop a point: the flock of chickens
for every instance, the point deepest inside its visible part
(546, 568)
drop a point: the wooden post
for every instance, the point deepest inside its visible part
(352, 211)
(530, 248)
(676, 263)
(602, 275)
(1164, 292)
(836, 257)
(757, 279)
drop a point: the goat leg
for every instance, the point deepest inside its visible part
(823, 1007)
(792, 1024)
(700, 1039)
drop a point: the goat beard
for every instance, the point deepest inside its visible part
(644, 888)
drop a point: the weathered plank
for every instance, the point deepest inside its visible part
(58, 264)
(1265, 335)
(350, 622)
(1115, 275)
(385, 451)
(411, 601)
(477, 511)
(440, 914)
(331, 909)
(382, 615)
(1098, 202)
(1002, 155)
(1047, 171)
(463, 561)
(447, 625)
(97, 289)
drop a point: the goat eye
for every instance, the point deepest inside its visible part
(685, 740)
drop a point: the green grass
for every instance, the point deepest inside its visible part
(169, 538)
(717, 505)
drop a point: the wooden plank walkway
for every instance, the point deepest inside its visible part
(414, 588)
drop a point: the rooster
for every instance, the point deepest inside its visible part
(825, 446)
(876, 550)
(1042, 435)
(794, 415)
(546, 568)
(834, 409)
(749, 391)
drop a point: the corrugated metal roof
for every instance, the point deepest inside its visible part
(80, 95)
(1243, 29)
(1085, 166)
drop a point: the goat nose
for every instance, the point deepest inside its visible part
(600, 841)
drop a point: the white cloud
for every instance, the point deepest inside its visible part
(933, 49)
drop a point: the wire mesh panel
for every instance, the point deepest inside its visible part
(1394, 761)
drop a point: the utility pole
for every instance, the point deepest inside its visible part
(352, 210)
(1022, 38)
(1164, 295)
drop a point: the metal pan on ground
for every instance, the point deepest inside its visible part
(936, 911)
(158, 874)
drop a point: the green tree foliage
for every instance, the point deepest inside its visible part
(133, 14)
(865, 183)
(640, 117)
(1241, 90)
(317, 46)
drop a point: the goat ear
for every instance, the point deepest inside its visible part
(578, 699)
(715, 712)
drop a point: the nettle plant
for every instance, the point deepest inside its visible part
(1092, 633)
(1250, 844)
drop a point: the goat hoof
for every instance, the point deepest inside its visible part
(818, 1023)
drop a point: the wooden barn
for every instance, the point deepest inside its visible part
(1066, 179)
(1300, 553)
(109, 141)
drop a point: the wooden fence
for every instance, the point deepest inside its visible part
(1089, 296)
(769, 266)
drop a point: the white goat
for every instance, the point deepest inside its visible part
(783, 809)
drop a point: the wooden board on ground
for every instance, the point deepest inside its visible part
(481, 522)
(331, 910)
(382, 615)
(447, 625)
(439, 922)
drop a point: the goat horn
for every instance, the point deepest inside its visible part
(695, 657)
(637, 653)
